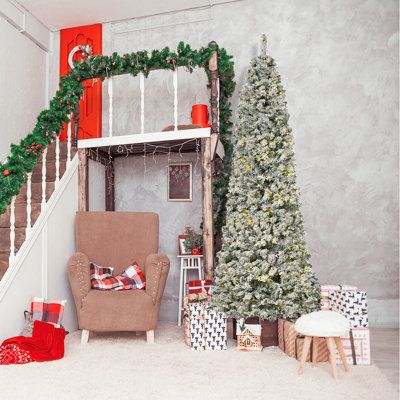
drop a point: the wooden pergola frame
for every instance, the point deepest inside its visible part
(208, 153)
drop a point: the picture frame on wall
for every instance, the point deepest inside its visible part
(182, 250)
(180, 181)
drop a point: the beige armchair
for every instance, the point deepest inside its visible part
(116, 239)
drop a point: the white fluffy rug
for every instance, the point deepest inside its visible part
(122, 366)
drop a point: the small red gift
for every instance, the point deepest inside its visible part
(199, 286)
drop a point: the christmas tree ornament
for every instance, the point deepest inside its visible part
(6, 172)
(263, 268)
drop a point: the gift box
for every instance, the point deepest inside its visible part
(215, 329)
(205, 328)
(356, 347)
(192, 298)
(199, 286)
(323, 351)
(231, 328)
(287, 337)
(352, 304)
(197, 326)
(326, 289)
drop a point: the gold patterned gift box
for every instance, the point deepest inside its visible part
(287, 337)
(323, 351)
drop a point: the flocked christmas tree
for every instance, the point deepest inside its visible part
(263, 268)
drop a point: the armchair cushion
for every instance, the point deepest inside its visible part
(113, 310)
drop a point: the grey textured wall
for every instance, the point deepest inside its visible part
(339, 65)
(140, 190)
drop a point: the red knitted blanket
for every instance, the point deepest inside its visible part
(46, 344)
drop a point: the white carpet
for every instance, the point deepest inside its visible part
(123, 366)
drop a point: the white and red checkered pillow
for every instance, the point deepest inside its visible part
(103, 279)
(48, 311)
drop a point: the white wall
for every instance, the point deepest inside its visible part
(23, 81)
(43, 272)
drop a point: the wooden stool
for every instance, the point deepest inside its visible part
(328, 324)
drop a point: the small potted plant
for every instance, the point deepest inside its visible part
(194, 241)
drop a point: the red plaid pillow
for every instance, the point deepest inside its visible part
(102, 277)
(131, 278)
(48, 311)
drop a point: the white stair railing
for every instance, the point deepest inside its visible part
(141, 86)
(57, 160)
(141, 77)
(44, 158)
(28, 204)
(69, 141)
(12, 230)
(175, 81)
(29, 225)
(110, 106)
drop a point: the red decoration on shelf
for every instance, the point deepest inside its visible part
(6, 172)
(200, 115)
(196, 252)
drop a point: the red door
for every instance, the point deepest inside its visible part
(90, 105)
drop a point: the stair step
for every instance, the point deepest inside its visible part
(20, 215)
(4, 255)
(3, 268)
(36, 192)
(50, 171)
(5, 238)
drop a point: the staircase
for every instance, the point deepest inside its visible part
(37, 201)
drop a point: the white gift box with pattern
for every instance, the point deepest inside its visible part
(215, 327)
(197, 324)
(208, 329)
(352, 304)
(326, 289)
(359, 353)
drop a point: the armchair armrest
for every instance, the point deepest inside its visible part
(79, 277)
(156, 270)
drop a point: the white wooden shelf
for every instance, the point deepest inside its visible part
(154, 137)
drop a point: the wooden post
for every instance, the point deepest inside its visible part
(208, 231)
(76, 114)
(109, 187)
(214, 77)
(83, 181)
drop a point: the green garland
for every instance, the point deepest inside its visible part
(23, 157)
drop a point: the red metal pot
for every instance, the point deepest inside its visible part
(200, 115)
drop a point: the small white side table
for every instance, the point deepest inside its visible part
(188, 262)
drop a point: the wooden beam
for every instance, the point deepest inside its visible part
(109, 187)
(83, 181)
(214, 100)
(208, 230)
(99, 156)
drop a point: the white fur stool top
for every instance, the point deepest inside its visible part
(323, 324)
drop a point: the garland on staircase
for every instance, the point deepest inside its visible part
(24, 156)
